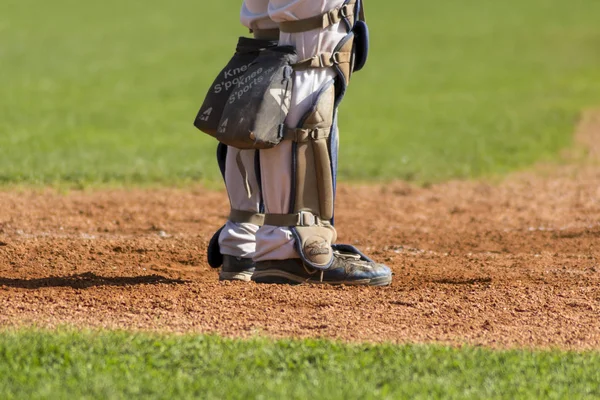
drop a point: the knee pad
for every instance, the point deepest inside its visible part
(352, 52)
(247, 51)
(255, 112)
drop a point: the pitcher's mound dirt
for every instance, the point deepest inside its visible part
(512, 264)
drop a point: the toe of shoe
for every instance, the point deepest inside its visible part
(372, 272)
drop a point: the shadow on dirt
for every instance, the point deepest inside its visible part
(88, 280)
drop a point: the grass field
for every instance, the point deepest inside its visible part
(104, 365)
(106, 92)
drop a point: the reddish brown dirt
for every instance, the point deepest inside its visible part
(515, 263)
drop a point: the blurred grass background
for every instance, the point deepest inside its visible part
(105, 92)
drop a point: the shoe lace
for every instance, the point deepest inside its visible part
(336, 253)
(346, 256)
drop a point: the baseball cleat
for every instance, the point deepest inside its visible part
(236, 269)
(347, 269)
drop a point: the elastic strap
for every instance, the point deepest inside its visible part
(305, 135)
(322, 21)
(324, 60)
(265, 34)
(303, 218)
(246, 217)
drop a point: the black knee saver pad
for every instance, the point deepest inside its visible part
(247, 50)
(255, 113)
(213, 254)
(361, 45)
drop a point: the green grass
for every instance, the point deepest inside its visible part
(105, 92)
(104, 365)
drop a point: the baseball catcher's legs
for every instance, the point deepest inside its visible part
(266, 99)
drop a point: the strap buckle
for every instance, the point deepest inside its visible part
(335, 58)
(306, 218)
(345, 11)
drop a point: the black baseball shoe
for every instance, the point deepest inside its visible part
(236, 269)
(347, 269)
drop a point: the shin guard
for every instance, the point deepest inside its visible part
(315, 142)
(311, 211)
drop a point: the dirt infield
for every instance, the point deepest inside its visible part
(515, 263)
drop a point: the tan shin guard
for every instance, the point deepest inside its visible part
(314, 183)
(313, 196)
(312, 211)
